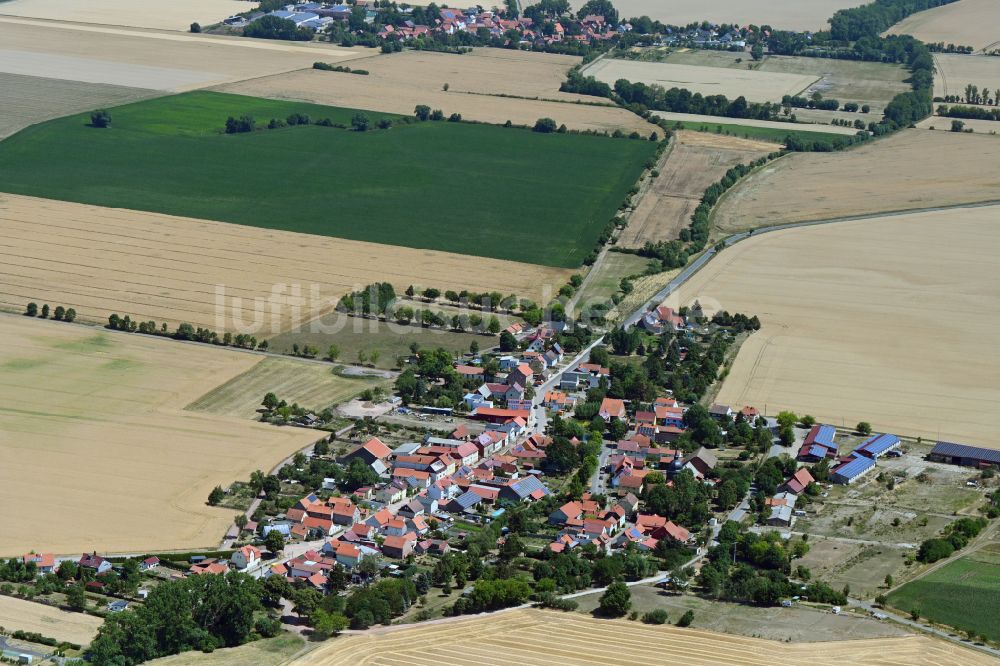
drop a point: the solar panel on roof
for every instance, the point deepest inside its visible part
(853, 468)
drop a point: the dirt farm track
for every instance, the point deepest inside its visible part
(542, 638)
(890, 320)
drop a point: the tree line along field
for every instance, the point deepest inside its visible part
(964, 594)
(695, 161)
(539, 638)
(470, 189)
(782, 14)
(97, 419)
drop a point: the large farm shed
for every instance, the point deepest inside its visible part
(850, 471)
(961, 454)
(877, 445)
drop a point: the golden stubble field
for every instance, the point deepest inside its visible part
(891, 320)
(912, 169)
(955, 72)
(214, 274)
(968, 23)
(97, 451)
(62, 625)
(164, 14)
(541, 638)
(756, 86)
(398, 82)
(154, 59)
(695, 161)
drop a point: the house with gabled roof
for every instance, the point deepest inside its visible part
(94, 562)
(245, 557)
(798, 482)
(45, 563)
(612, 408)
(371, 451)
(399, 547)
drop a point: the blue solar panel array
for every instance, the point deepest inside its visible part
(855, 467)
(876, 445)
(825, 435)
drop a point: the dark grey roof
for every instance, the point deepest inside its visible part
(965, 451)
(529, 484)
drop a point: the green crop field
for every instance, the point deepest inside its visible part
(473, 189)
(964, 594)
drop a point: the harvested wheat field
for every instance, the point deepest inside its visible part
(967, 23)
(892, 320)
(213, 274)
(912, 169)
(145, 58)
(164, 14)
(695, 161)
(955, 72)
(315, 386)
(398, 82)
(20, 614)
(96, 419)
(545, 637)
(939, 123)
(29, 99)
(756, 86)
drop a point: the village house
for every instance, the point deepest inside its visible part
(612, 408)
(45, 563)
(662, 319)
(246, 557)
(399, 547)
(798, 482)
(94, 562)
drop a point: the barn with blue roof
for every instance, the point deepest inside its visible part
(850, 471)
(878, 445)
(819, 444)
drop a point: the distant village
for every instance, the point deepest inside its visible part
(499, 27)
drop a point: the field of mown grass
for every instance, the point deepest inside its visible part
(776, 134)
(964, 594)
(470, 189)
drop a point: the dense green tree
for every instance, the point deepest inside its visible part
(616, 600)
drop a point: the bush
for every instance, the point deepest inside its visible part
(545, 125)
(686, 619)
(616, 600)
(658, 616)
(195, 27)
(100, 118)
